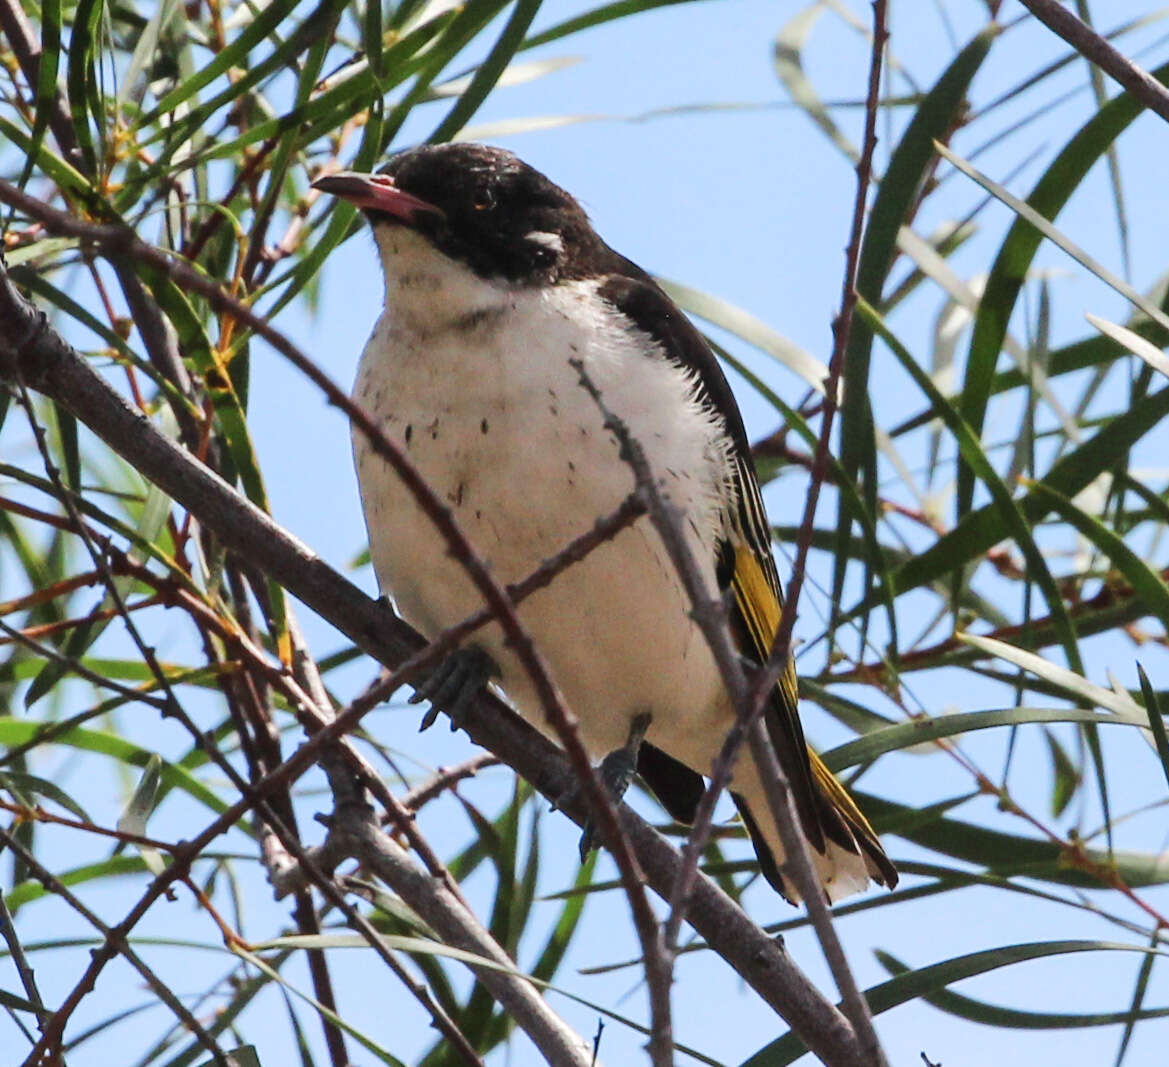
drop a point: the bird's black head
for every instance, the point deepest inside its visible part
(481, 206)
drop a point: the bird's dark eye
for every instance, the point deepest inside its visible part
(484, 199)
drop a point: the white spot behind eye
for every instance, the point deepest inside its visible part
(552, 241)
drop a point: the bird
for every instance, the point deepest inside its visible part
(501, 302)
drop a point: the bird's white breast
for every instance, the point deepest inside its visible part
(474, 380)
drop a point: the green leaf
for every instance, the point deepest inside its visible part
(1065, 774)
(244, 1056)
(1013, 1018)
(979, 530)
(115, 867)
(24, 787)
(139, 808)
(1011, 855)
(789, 67)
(971, 450)
(1134, 342)
(898, 192)
(489, 72)
(1148, 585)
(1156, 720)
(1026, 212)
(15, 732)
(754, 331)
(1051, 192)
(79, 79)
(923, 731)
(927, 981)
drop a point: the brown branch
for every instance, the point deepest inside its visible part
(1116, 604)
(1144, 88)
(307, 675)
(709, 613)
(446, 778)
(315, 867)
(74, 665)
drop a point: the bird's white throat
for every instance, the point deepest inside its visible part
(427, 292)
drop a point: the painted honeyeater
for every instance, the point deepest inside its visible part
(498, 293)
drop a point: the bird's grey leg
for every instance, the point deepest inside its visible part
(616, 771)
(453, 684)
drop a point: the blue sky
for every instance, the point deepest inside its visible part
(752, 204)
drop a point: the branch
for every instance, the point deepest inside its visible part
(51, 366)
(354, 833)
(1094, 48)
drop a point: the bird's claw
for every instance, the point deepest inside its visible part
(616, 772)
(451, 687)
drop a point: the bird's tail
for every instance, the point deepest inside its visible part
(845, 850)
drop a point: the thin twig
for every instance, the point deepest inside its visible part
(855, 1005)
(28, 51)
(446, 778)
(603, 530)
(115, 943)
(457, 926)
(73, 664)
(20, 961)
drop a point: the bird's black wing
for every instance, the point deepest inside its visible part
(745, 563)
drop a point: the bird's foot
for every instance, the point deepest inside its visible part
(616, 772)
(453, 684)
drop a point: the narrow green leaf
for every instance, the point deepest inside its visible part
(1134, 342)
(146, 46)
(14, 1003)
(1027, 213)
(14, 732)
(489, 71)
(25, 787)
(1014, 1018)
(787, 58)
(244, 1056)
(1156, 719)
(139, 808)
(237, 54)
(611, 12)
(754, 331)
(115, 867)
(926, 981)
(1149, 586)
(71, 453)
(971, 450)
(367, 1042)
(980, 529)
(1066, 776)
(67, 177)
(1134, 1013)
(1011, 854)
(898, 192)
(908, 735)
(1016, 253)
